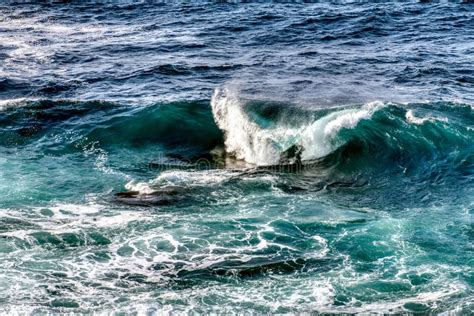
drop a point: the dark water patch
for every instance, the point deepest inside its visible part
(163, 196)
(178, 70)
(69, 240)
(10, 88)
(65, 303)
(254, 268)
(12, 224)
(167, 69)
(54, 88)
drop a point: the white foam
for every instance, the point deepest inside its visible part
(179, 178)
(75, 209)
(321, 137)
(243, 138)
(5, 104)
(350, 119)
(410, 117)
(195, 177)
(140, 187)
(66, 218)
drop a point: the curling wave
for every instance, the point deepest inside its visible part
(262, 133)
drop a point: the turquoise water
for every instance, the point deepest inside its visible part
(383, 222)
(232, 158)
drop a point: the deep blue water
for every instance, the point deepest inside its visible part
(225, 157)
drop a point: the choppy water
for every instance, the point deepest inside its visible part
(147, 158)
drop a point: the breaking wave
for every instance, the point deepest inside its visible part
(261, 133)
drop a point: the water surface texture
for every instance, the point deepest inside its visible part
(267, 158)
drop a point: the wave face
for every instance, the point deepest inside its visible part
(228, 158)
(187, 123)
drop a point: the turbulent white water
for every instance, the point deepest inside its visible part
(246, 140)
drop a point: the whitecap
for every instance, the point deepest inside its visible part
(410, 117)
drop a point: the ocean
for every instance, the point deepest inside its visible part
(227, 157)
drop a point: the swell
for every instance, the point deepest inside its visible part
(260, 133)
